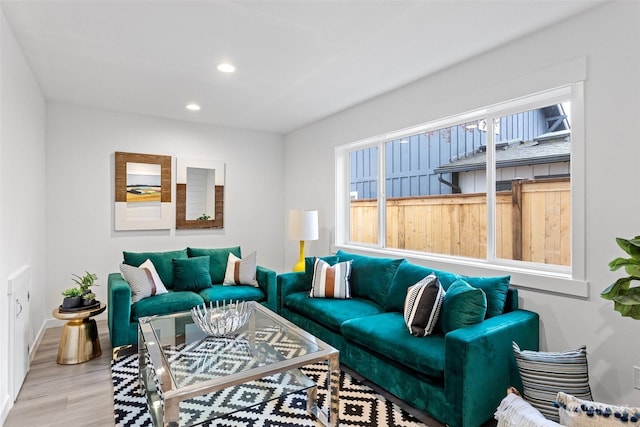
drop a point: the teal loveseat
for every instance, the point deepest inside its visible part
(458, 378)
(123, 315)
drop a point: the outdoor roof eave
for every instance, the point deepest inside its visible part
(504, 163)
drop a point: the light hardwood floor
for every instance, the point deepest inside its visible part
(65, 395)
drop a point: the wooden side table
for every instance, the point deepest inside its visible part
(79, 342)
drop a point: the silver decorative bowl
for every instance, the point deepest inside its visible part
(222, 319)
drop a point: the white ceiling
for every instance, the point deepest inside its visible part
(297, 61)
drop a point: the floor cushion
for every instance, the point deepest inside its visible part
(575, 412)
(545, 373)
(514, 411)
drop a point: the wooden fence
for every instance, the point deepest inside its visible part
(533, 223)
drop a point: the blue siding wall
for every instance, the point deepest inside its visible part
(526, 126)
(364, 172)
(410, 161)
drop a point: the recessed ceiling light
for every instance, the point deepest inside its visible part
(192, 107)
(226, 68)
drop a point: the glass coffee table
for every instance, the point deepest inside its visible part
(190, 377)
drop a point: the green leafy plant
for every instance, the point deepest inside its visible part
(72, 293)
(626, 299)
(86, 281)
(204, 217)
(89, 296)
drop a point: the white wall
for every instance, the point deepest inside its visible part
(609, 38)
(80, 191)
(22, 190)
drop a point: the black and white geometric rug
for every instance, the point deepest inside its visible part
(359, 404)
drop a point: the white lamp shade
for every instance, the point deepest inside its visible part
(303, 225)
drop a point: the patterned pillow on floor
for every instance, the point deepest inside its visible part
(544, 374)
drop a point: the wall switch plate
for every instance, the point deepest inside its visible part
(636, 377)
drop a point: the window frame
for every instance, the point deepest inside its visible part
(545, 277)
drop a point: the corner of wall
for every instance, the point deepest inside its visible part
(6, 406)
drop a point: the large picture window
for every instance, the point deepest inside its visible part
(493, 185)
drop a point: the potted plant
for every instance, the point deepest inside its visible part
(86, 281)
(89, 298)
(72, 298)
(626, 299)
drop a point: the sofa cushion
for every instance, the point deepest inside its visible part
(422, 306)
(386, 334)
(232, 293)
(330, 312)
(241, 271)
(192, 274)
(163, 261)
(218, 258)
(463, 305)
(371, 276)
(330, 281)
(409, 274)
(495, 288)
(171, 302)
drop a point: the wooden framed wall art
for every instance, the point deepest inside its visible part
(142, 192)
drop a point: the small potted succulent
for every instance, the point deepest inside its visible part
(72, 298)
(89, 298)
(80, 296)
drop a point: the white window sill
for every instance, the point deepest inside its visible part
(530, 279)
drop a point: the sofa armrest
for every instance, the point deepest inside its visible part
(119, 307)
(290, 283)
(479, 362)
(267, 281)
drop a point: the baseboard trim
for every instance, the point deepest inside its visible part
(7, 404)
(36, 341)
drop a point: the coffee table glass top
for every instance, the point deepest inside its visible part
(193, 357)
(183, 364)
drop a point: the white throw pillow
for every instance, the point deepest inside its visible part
(576, 412)
(241, 271)
(160, 287)
(144, 281)
(514, 411)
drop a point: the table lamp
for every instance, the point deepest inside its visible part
(303, 225)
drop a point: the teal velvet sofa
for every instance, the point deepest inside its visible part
(123, 315)
(458, 378)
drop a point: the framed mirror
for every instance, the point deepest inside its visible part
(142, 192)
(199, 194)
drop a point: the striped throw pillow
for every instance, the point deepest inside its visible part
(544, 374)
(330, 281)
(143, 281)
(422, 306)
(241, 271)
